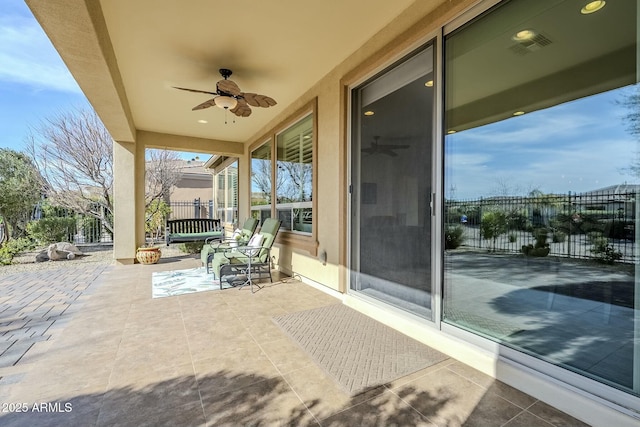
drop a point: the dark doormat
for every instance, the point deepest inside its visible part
(358, 352)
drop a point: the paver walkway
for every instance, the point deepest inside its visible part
(34, 307)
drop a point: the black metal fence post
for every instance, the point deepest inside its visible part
(196, 208)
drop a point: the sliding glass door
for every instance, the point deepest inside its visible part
(391, 185)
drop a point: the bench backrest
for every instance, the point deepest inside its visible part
(193, 225)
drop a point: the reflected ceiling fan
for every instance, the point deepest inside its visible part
(388, 149)
(229, 97)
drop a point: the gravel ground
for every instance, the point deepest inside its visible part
(97, 254)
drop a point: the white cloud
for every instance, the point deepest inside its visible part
(27, 56)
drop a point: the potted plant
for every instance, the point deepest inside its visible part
(156, 214)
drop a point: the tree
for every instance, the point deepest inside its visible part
(163, 171)
(20, 190)
(74, 153)
(494, 224)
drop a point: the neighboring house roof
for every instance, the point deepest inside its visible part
(614, 189)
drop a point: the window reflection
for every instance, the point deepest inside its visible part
(541, 185)
(261, 182)
(295, 176)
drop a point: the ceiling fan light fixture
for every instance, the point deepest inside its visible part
(518, 113)
(369, 113)
(226, 102)
(523, 35)
(593, 6)
(429, 83)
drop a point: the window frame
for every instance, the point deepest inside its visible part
(297, 240)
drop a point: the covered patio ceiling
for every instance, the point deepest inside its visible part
(127, 56)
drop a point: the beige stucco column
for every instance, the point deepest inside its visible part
(128, 217)
(244, 188)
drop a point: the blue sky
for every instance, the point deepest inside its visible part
(34, 82)
(577, 146)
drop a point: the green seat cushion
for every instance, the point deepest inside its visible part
(197, 236)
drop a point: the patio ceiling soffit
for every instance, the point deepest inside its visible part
(86, 49)
(189, 143)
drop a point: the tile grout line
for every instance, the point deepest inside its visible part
(193, 366)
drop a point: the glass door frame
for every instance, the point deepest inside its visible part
(433, 40)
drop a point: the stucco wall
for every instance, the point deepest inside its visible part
(414, 27)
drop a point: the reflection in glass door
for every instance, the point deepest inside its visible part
(391, 187)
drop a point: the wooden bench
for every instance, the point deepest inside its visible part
(193, 230)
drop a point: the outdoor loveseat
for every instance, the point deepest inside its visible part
(193, 230)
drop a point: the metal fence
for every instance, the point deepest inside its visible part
(195, 208)
(574, 225)
(70, 226)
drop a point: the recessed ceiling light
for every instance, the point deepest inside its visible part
(592, 6)
(451, 132)
(429, 83)
(518, 113)
(369, 113)
(523, 35)
(202, 121)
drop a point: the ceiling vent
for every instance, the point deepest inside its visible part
(533, 44)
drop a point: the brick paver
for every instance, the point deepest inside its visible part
(33, 305)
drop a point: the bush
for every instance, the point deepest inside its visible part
(541, 247)
(517, 220)
(605, 253)
(52, 229)
(558, 237)
(619, 229)
(513, 237)
(453, 236)
(191, 247)
(13, 247)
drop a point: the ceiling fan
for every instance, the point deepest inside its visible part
(388, 149)
(229, 97)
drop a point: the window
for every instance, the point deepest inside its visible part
(294, 175)
(541, 185)
(282, 170)
(226, 196)
(261, 182)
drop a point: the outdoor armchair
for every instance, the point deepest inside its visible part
(239, 236)
(232, 264)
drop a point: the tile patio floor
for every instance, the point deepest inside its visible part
(113, 356)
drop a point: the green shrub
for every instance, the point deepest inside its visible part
(494, 223)
(558, 236)
(13, 247)
(513, 237)
(540, 248)
(52, 229)
(191, 247)
(596, 236)
(453, 236)
(604, 252)
(517, 220)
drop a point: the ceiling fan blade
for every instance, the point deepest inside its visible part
(206, 104)
(228, 86)
(389, 153)
(257, 100)
(392, 147)
(195, 90)
(242, 109)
